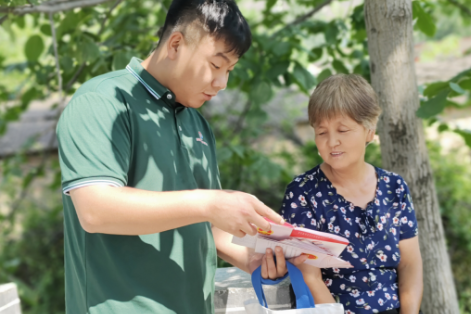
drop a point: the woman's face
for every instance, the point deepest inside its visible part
(341, 141)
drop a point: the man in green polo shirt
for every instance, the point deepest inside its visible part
(143, 209)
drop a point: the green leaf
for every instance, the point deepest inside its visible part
(331, 33)
(88, 52)
(303, 77)
(277, 70)
(261, 92)
(67, 64)
(34, 48)
(239, 150)
(433, 106)
(466, 134)
(29, 177)
(443, 127)
(457, 88)
(29, 95)
(281, 48)
(323, 75)
(425, 22)
(270, 4)
(315, 54)
(466, 84)
(45, 29)
(223, 154)
(360, 35)
(69, 23)
(20, 22)
(339, 67)
(434, 88)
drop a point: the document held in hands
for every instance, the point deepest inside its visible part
(322, 248)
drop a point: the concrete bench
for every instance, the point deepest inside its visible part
(233, 288)
(9, 300)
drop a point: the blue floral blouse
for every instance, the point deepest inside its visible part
(374, 234)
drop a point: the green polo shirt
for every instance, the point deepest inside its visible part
(115, 131)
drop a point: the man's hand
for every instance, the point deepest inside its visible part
(131, 211)
(238, 213)
(273, 270)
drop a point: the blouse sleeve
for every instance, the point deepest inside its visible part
(297, 208)
(408, 220)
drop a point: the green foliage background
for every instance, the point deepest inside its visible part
(94, 40)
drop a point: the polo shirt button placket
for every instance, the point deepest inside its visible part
(177, 123)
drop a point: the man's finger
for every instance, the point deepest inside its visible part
(240, 234)
(280, 262)
(271, 264)
(249, 229)
(260, 222)
(266, 211)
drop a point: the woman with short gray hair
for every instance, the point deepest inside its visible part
(369, 206)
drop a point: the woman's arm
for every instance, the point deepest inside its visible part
(410, 276)
(313, 278)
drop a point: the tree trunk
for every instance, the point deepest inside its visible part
(390, 43)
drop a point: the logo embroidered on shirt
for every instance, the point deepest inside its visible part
(200, 139)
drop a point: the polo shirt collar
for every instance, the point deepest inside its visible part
(159, 91)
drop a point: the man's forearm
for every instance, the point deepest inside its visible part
(130, 211)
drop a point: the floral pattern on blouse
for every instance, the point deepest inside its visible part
(371, 286)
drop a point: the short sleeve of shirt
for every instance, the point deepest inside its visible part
(408, 219)
(94, 142)
(296, 208)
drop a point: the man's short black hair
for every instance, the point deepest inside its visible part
(219, 18)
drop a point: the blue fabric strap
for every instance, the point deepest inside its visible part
(304, 299)
(257, 286)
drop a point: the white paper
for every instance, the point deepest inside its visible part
(322, 248)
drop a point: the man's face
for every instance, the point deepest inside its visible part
(201, 71)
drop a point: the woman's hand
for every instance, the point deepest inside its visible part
(311, 274)
(273, 270)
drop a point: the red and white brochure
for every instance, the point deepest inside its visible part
(322, 248)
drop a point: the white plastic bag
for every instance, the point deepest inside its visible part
(304, 300)
(253, 307)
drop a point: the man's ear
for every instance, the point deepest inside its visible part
(174, 43)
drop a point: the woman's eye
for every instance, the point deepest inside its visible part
(217, 68)
(343, 131)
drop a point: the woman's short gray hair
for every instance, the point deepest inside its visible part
(344, 94)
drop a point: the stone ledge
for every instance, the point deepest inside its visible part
(9, 300)
(234, 287)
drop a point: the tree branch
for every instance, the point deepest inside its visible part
(51, 6)
(460, 6)
(3, 19)
(56, 56)
(240, 121)
(62, 94)
(100, 32)
(303, 17)
(105, 19)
